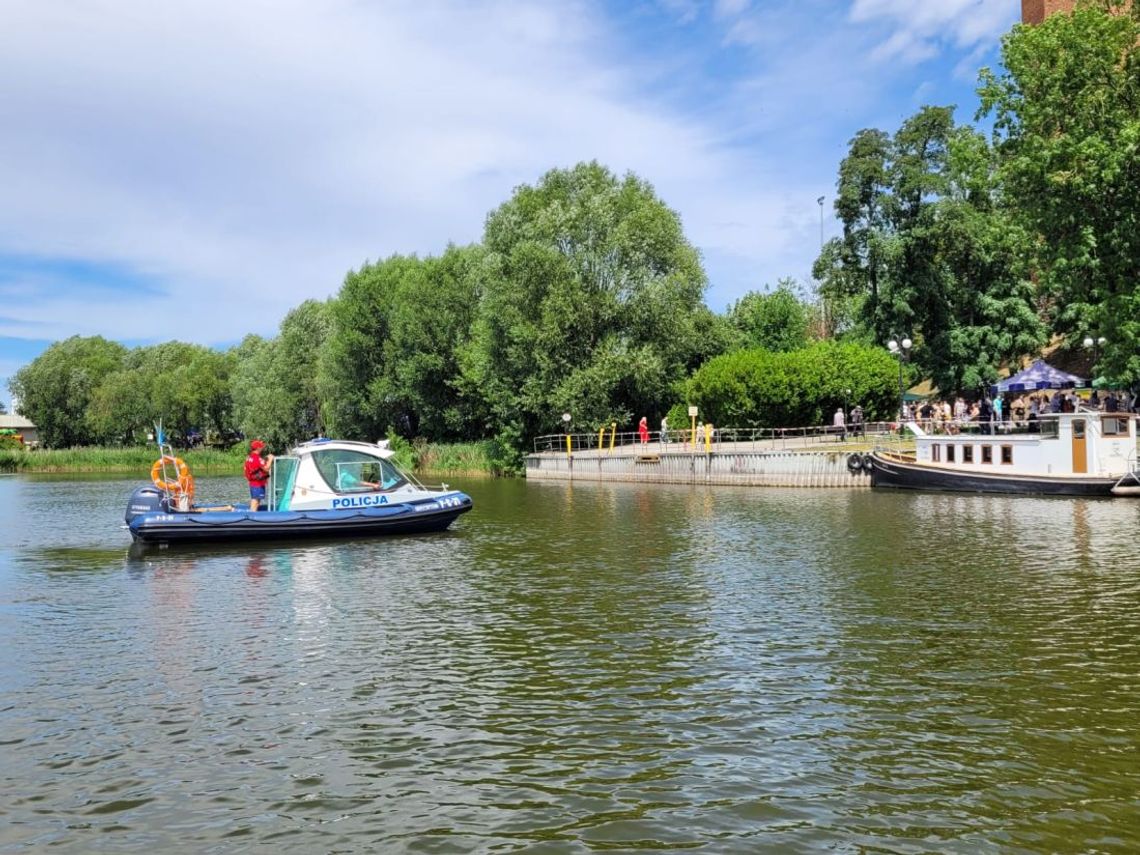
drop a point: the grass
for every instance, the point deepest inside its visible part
(201, 461)
(467, 458)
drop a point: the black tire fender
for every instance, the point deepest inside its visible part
(868, 461)
(854, 462)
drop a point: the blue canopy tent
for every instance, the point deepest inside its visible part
(1039, 375)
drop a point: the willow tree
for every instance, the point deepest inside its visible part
(274, 384)
(591, 303)
(392, 357)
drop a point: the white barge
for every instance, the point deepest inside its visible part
(1086, 453)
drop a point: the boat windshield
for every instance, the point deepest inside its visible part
(281, 478)
(354, 472)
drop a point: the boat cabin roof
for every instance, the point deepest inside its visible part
(1045, 426)
(374, 449)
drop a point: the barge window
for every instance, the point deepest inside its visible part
(354, 472)
(967, 454)
(987, 454)
(1007, 455)
(1113, 426)
(935, 453)
(949, 453)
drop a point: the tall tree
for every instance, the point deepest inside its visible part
(430, 324)
(1067, 124)
(56, 388)
(591, 304)
(275, 383)
(929, 251)
(391, 361)
(358, 400)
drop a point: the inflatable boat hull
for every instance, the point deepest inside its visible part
(226, 526)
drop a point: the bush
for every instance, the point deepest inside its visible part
(757, 388)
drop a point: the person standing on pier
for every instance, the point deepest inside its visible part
(643, 430)
(839, 422)
(664, 430)
(857, 421)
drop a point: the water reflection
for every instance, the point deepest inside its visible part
(580, 667)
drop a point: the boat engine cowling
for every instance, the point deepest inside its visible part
(145, 500)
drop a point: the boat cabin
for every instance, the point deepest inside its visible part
(339, 475)
(1086, 442)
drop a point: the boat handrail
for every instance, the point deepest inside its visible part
(381, 445)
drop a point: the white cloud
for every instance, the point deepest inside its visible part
(248, 154)
(245, 155)
(920, 27)
(731, 8)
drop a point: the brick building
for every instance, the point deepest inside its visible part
(1036, 11)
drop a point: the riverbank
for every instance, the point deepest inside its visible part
(452, 459)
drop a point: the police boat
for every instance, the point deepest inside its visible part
(326, 488)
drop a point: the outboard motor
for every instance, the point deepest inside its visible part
(146, 500)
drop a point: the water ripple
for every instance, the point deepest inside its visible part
(578, 669)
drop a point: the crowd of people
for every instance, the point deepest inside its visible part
(1022, 409)
(986, 413)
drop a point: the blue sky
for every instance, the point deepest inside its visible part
(193, 171)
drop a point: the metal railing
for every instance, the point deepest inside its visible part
(758, 439)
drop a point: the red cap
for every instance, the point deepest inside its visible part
(256, 445)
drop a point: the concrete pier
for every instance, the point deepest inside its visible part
(724, 465)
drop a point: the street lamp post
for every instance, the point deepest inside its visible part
(846, 414)
(822, 298)
(566, 430)
(1095, 345)
(819, 202)
(900, 349)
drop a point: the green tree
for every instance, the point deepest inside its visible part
(1067, 128)
(359, 398)
(430, 323)
(929, 250)
(591, 303)
(183, 385)
(778, 320)
(55, 389)
(274, 385)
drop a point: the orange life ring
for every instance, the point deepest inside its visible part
(182, 486)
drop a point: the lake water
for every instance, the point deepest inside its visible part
(577, 668)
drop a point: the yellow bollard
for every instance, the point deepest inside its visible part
(602, 438)
(708, 438)
(613, 435)
(567, 445)
(694, 433)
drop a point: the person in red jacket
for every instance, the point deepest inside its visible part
(257, 473)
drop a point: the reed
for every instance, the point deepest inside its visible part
(455, 458)
(462, 458)
(206, 461)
